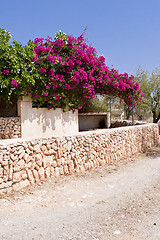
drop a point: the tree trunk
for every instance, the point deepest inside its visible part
(127, 112)
(155, 117)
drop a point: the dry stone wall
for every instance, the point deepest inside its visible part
(123, 123)
(24, 163)
(10, 127)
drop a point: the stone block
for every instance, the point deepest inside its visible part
(12, 157)
(47, 161)
(47, 172)
(38, 157)
(21, 185)
(65, 169)
(18, 176)
(61, 172)
(21, 155)
(36, 148)
(30, 148)
(5, 185)
(19, 166)
(30, 176)
(52, 171)
(56, 172)
(54, 164)
(1, 171)
(71, 167)
(41, 173)
(36, 175)
(26, 157)
(10, 172)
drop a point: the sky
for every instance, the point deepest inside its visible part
(125, 32)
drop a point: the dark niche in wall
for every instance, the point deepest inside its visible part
(8, 110)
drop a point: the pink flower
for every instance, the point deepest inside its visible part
(50, 72)
(46, 94)
(42, 70)
(56, 77)
(67, 87)
(14, 83)
(34, 96)
(51, 58)
(58, 43)
(79, 68)
(35, 58)
(57, 96)
(5, 72)
(54, 87)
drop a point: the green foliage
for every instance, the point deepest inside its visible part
(61, 35)
(5, 36)
(16, 59)
(98, 104)
(150, 87)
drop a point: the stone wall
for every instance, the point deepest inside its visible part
(10, 127)
(123, 123)
(23, 163)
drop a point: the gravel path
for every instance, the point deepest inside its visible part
(119, 202)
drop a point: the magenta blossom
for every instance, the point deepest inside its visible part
(57, 96)
(50, 72)
(42, 70)
(67, 87)
(51, 58)
(34, 96)
(14, 83)
(35, 58)
(5, 72)
(72, 68)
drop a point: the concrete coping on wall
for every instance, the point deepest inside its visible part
(10, 117)
(6, 142)
(93, 114)
(110, 130)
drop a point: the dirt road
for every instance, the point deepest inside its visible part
(120, 202)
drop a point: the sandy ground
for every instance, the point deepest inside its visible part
(119, 202)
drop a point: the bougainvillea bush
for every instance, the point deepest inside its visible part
(63, 72)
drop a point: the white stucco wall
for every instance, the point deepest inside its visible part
(41, 122)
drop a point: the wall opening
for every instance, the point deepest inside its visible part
(8, 109)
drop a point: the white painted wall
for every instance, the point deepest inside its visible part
(41, 122)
